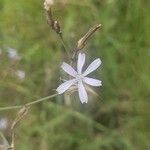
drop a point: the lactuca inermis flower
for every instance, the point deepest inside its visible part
(80, 77)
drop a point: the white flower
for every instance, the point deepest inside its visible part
(3, 123)
(12, 53)
(79, 77)
(20, 74)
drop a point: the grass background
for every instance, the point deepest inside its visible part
(119, 118)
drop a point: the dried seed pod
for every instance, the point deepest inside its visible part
(54, 24)
(22, 112)
(57, 27)
(82, 42)
(74, 88)
(49, 18)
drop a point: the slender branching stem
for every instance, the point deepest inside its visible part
(41, 100)
(64, 45)
(10, 107)
(28, 104)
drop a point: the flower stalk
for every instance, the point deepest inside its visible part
(28, 104)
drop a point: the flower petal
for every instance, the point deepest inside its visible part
(93, 66)
(67, 68)
(82, 93)
(81, 61)
(91, 81)
(65, 86)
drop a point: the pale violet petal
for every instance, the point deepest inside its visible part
(91, 81)
(81, 61)
(82, 93)
(65, 86)
(67, 68)
(93, 66)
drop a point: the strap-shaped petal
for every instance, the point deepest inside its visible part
(67, 68)
(93, 66)
(81, 61)
(65, 86)
(82, 93)
(91, 81)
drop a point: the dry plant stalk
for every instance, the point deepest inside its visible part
(21, 113)
(54, 24)
(12, 146)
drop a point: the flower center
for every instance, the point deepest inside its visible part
(79, 77)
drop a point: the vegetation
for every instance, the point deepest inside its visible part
(115, 120)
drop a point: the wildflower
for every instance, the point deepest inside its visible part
(12, 54)
(3, 123)
(79, 77)
(20, 74)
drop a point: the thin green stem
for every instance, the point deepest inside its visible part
(28, 104)
(11, 107)
(41, 100)
(63, 43)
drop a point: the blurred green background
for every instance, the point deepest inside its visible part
(30, 56)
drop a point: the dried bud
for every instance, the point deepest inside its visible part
(57, 27)
(47, 4)
(74, 88)
(22, 112)
(49, 18)
(82, 42)
(53, 23)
